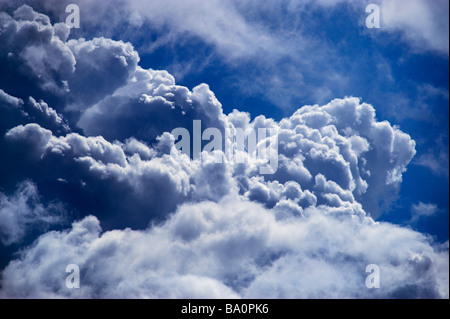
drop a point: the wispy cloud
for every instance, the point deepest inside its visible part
(421, 210)
(423, 24)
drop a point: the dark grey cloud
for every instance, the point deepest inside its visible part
(34, 60)
(102, 66)
(150, 104)
(330, 151)
(38, 60)
(99, 175)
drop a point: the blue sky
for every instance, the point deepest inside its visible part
(89, 173)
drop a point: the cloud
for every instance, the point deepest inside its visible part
(338, 153)
(436, 162)
(95, 168)
(6, 99)
(285, 62)
(233, 248)
(219, 240)
(38, 61)
(152, 102)
(32, 54)
(423, 24)
(422, 210)
(343, 142)
(15, 111)
(23, 211)
(102, 66)
(216, 22)
(177, 226)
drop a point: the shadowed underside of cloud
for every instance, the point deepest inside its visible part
(196, 228)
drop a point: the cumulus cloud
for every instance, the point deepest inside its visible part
(330, 152)
(225, 242)
(32, 54)
(102, 66)
(341, 149)
(177, 226)
(153, 103)
(95, 168)
(233, 248)
(16, 111)
(38, 60)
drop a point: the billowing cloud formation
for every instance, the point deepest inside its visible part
(92, 166)
(178, 227)
(90, 83)
(33, 53)
(151, 102)
(231, 249)
(15, 111)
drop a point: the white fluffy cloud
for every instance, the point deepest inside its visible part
(230, 249)
(340, 150)
(311, 240)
